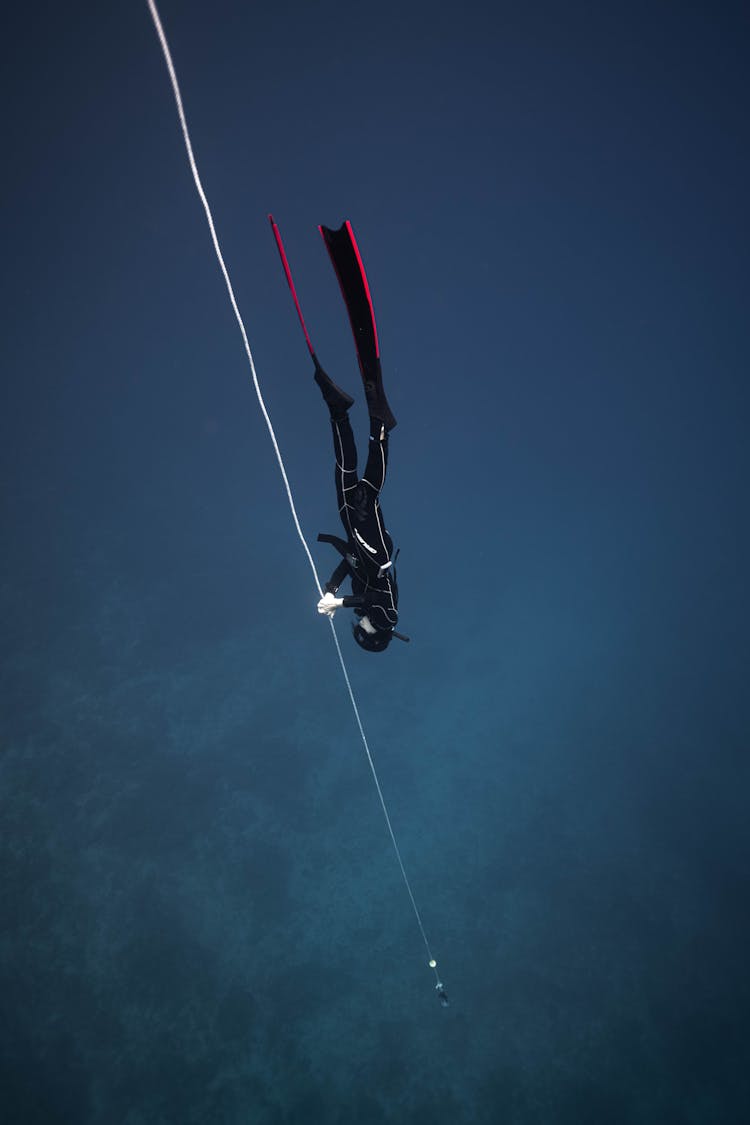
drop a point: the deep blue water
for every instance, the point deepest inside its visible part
(203, 920)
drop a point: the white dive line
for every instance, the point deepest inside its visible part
(261, 403)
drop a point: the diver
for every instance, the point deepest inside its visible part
(442, 994)
(367, 552)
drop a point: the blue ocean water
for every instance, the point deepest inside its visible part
(203, 917)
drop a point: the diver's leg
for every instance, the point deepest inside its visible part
(337, 401)
(358, 499)
(377, 456)
(345, 453)
(372, 525)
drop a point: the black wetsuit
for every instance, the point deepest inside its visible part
(369, 547)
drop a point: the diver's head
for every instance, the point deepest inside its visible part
(368, 637)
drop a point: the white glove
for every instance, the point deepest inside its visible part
(328, 604)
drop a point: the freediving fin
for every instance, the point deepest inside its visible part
(347, 262)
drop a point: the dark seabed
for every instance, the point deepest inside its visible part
(203, 920)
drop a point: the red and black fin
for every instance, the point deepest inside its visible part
(337, 400)
(347, 262)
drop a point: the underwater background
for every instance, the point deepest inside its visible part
(202, 917)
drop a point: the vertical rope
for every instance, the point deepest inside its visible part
(277, 451)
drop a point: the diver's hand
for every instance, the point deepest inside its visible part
(328, 604)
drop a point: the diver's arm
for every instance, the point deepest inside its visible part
(338, 576)
(356, 601)
(329, 603)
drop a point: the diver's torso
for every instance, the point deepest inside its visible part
(365, 527)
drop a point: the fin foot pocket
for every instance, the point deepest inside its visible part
(337, 401)
(377, 403)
